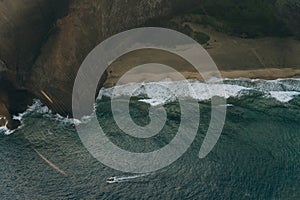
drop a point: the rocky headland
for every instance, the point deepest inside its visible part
(43, 43)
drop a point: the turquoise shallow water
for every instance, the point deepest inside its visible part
(257, 156)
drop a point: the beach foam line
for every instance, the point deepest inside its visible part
(283, 96)
(38, 107)
(6, 131)
(159, 93)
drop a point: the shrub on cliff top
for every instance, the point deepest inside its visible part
(250, 18)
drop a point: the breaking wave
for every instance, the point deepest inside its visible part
(160, 93)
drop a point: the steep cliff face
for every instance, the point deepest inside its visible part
(42, 55)
(44, 42)
(24, 26)
(88, 23)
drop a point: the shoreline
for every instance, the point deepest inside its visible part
(263, 74)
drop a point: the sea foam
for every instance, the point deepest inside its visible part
(284, 96)
(159, 93)
(163, 92)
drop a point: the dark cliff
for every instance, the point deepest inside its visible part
(24, 26)
(43, 43)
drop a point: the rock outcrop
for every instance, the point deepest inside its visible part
(43, 54)
(87, 24)
(24, 26)
(44, 42)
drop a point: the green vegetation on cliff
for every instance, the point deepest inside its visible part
(289, 13)
(242, 18)
(246, 18)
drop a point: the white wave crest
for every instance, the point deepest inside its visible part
(40, 108)
(4, 128)
(159, 93)
(283, 96)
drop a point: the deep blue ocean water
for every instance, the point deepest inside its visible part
(257, 156)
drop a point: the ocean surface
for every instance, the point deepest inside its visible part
(256, 157)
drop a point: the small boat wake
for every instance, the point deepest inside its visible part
(116, 179)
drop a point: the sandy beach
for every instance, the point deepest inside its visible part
(262, 58)
(266, 74)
